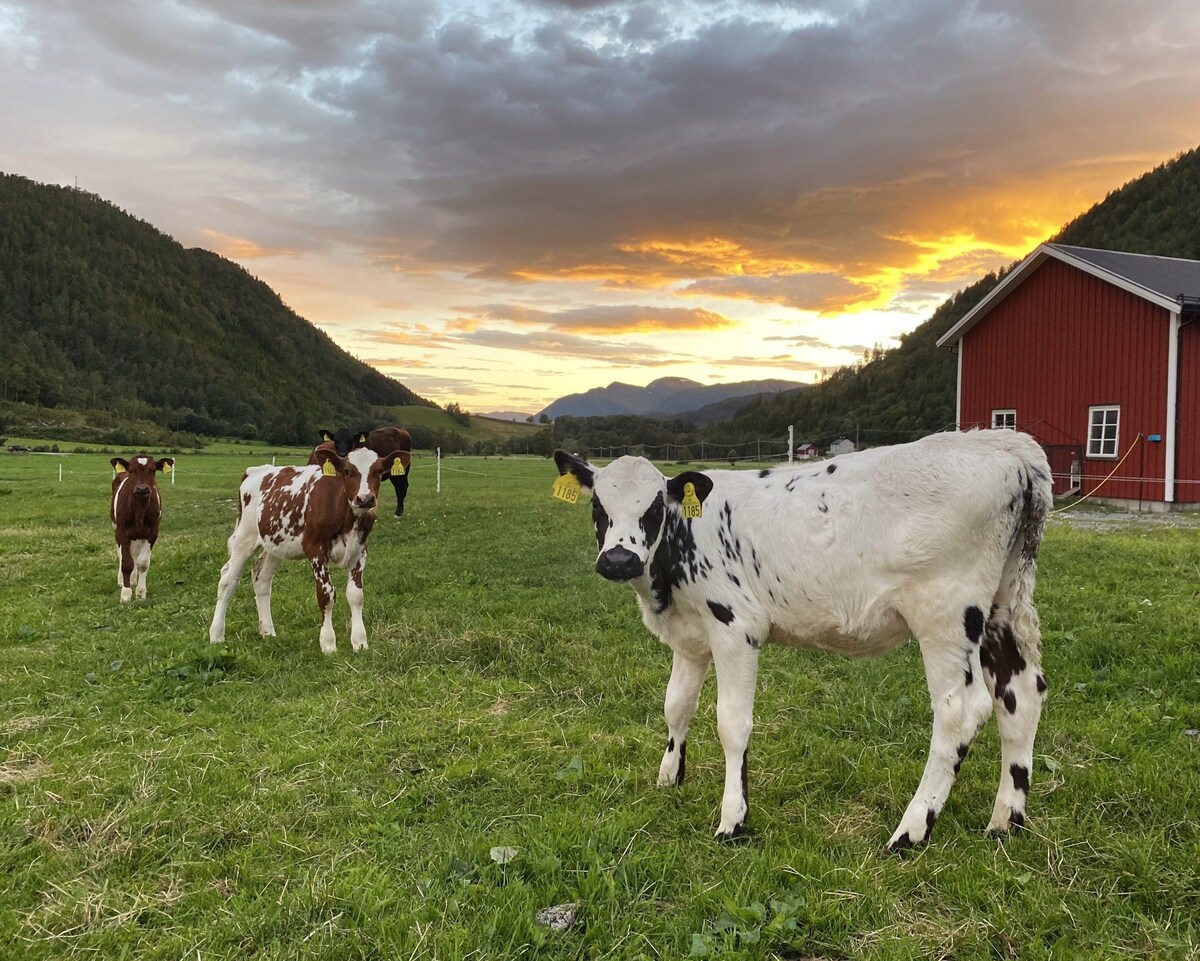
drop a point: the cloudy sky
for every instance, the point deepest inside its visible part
(499, 203)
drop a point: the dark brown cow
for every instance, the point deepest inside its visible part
(382, 440)
(323, 512)
(135, 512)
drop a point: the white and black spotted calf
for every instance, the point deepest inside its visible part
(323, 512)
(937, 539)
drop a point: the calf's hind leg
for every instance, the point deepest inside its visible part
(262, 574)
(1012, 669)
(961, 705)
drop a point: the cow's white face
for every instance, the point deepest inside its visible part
(628, 509)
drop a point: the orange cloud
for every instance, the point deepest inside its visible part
(241, 248)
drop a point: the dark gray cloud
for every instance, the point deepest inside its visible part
(814, 155)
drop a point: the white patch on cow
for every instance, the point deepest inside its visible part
(116, 498)
(364, 459)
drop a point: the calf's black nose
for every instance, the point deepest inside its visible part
(619, 564)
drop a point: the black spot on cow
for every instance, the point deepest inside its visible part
(721, 612)
(745, 781)
(1020, 776)
(682, 763)
(1016, 821)
(963, 750)
(931, 817)
(670, 744)
(600, 519)
(1041, 684)
(765, 472)
(1001, 658)
(968, 677)
(674, 561)
(831, 468)
(651, 520)
(973, 623)
(821, 505)
(791, 485)
(753, 641)
(902, 843)
(733, 578)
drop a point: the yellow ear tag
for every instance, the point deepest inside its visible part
(567, 488)
(118, 469)
(166, 468)
(691, 503)
(328, 469)
(398, 467)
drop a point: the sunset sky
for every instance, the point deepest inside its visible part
(501, 203)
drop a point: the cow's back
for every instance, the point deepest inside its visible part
(823, 551)
(385, 440)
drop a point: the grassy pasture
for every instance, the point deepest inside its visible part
(161, 798)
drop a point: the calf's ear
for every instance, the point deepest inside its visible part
(326, 436)
(329, 460)
(389, 462)
(119, 464)
(360, 439)
(702, 483)
(569, 464)
(166, 464)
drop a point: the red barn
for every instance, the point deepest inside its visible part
(1096, 353)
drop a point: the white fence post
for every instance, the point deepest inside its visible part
(791, 441)
(439, 470)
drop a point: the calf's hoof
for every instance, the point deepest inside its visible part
(126, 595)
(738, 833)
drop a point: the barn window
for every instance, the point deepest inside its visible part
(1103, 430)
(1004, 420)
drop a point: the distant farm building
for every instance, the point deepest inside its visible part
(806, 451)
(1096, 353)
(841, 446)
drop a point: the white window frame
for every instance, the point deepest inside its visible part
(1006, 414)
(1096, 443)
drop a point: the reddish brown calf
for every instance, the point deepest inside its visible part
(135, 512)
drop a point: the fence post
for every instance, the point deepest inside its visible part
(791, 437)
(439, 470)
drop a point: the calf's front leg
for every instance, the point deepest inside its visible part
(736, 662)
(683, 694)
(325, 597)
(354, 597)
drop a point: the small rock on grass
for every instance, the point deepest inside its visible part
(558, 917)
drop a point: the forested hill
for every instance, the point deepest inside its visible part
(100, 311)
(909, 390)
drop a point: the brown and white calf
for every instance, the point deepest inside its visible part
(322, 512)
(937, 539)
(135, 512)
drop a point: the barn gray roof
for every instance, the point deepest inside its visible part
(1171, 282)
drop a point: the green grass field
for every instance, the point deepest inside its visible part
(495, 753)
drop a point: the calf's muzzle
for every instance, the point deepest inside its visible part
(619, 564)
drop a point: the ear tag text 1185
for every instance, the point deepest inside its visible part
(690, 502)
(567, 488)
(328, 469)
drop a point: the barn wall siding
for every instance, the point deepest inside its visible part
(1187, 486)
(1062, 341)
